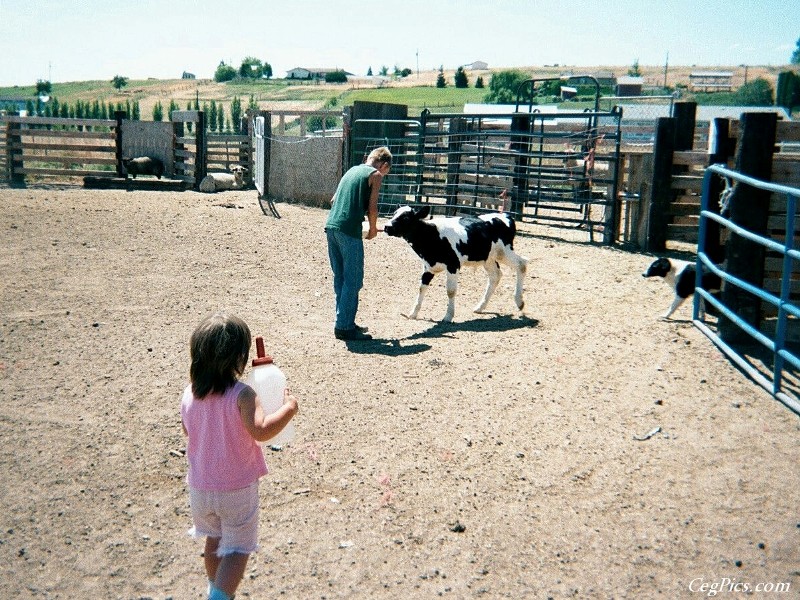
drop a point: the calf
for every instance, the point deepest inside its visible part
(453, 242)
(681, 276)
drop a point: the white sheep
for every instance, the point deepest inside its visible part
(214, 182)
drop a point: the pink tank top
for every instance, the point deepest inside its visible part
(222, 454)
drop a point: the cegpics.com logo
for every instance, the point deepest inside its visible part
(726, 585)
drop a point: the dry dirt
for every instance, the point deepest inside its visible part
(495, 457)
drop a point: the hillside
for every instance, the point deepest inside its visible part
(280, 94)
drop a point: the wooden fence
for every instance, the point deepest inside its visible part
(44, 149)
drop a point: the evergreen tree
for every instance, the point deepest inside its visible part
(461, 79)
(440, 80)
(158, 111)
(173, 106)
(220, 118)
(479, 82)
(795, 59)
(136, 113)
(236, 114)
(212, 116)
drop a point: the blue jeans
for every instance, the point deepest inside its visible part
(347, 262)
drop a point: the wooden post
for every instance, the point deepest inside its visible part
(521, 146)
(201, 155)
(14, 153)
(454, 140)
(661, 186)
(749, 208)
(720, 148)
(685, 114)
(119, 117)
(267, 148)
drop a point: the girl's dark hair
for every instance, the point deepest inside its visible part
(219, 349)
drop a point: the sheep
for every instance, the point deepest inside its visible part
(143, 165)
(214, 182)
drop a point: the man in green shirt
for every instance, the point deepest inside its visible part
(355, 197)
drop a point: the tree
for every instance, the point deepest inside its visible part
(338, 76)
(441, 82)
(788, 94)
(503, 86)
(119, 82)
(755, 93)
(795, 60)
(369, 72)
(220, 118)
(634, 70)
(251, 68)
(43, 88)
(158, 111)
(461, 78)
(236, 114)
(479, 82)
(173, 106)
(224, 73)
(266, 70)
(212, 116)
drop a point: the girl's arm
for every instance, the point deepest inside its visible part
(264, 427)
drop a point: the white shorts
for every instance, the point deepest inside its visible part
(230, 516)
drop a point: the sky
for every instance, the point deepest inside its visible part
(68, 40)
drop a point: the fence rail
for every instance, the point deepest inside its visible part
(782, 380)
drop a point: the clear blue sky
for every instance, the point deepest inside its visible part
(69, 40)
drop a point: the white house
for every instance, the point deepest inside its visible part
(307, 73)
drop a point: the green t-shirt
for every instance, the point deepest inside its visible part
(351, 201)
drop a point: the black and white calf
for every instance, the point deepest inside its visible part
(681, 277)
(449, 243)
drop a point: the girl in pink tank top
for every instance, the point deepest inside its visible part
(224, 421)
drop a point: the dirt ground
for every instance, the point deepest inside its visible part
(495, 457)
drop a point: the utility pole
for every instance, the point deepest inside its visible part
(666, 66)
(417, 63)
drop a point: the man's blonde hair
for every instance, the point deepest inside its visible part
(381, 154)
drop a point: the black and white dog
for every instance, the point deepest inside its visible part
(681, 277)
(449, 243)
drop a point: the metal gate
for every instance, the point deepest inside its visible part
(558, 169)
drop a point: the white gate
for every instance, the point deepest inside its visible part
(261, 166)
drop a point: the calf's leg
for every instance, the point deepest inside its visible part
(520, 265)
(493, 275)
(425, 280)
(452, 286)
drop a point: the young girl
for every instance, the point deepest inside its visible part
(223, 420)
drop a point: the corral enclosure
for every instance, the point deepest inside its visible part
(582, 449)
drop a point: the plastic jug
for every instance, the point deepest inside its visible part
(269, 382)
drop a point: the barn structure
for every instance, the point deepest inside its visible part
(711, 81)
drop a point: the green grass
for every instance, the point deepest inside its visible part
(449, 99)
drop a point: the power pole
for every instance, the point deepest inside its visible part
(666, 66)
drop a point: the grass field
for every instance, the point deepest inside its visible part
(417, 91)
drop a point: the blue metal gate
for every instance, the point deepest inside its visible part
(781, 380)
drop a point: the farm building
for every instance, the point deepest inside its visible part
(630, 86)
(568, 92)
(309, 73)
(187, 75)
(711, 81)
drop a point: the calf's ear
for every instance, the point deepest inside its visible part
(422, 213)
